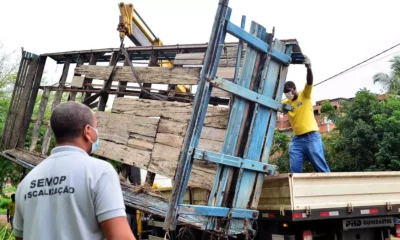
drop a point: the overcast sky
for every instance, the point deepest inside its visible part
(334, 34)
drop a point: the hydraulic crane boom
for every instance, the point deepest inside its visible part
(135, 28)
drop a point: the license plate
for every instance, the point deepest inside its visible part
(368, 223)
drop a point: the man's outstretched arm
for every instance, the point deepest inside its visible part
(310, 78)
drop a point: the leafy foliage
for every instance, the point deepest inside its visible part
(328, 111)
(8, 74)
(390, 82)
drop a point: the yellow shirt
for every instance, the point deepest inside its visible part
(302, 117)
(11, 207)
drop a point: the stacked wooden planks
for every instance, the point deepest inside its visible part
(226, 67)
(227, 59)
(149, 134)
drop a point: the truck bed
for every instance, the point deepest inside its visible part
(308, 196)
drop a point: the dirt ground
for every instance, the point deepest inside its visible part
(3, 220)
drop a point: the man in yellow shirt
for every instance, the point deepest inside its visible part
(11, 210)
(306, 142)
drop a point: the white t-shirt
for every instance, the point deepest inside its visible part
(66, 197)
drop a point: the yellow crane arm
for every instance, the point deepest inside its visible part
(129, 23)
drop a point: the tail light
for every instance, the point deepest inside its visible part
(397, 230)
(307, 235)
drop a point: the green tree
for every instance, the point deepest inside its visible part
(328, 111)
(280, 152)
(369, 133)
(8, 74)
(337, 158)
(390, 82)
(8, 71)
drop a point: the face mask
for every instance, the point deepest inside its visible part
(289, 95)
(95, 144)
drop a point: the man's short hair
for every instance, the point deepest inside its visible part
(69, 119)
(290, 84)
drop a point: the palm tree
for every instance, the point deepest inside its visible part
(390, 82)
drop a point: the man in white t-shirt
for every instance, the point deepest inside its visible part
(71, 195)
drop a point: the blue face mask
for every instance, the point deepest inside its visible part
(95, 144)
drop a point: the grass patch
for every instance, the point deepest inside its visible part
(6, 233)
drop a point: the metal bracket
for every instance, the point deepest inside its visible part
(282, 210)
(350, 208)
(245, 93)
(308, 211)
(232, 161)
(389, 206)
(257, 43)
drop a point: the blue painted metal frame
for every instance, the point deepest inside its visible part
(200, 106)
(217, 211)
(236, 117)
(257, 43)
(249, 95)
(234, 161)
(257, 133)
(249, 167)
(239, 52)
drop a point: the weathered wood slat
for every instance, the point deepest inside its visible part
(56, 101)
(198, 58)
(175, 111)
(110, 123)
(86, 80)
(188, 62)
(107, 84)
(123, 153)
(80, 62)
(172, 127)
(211, 145)
(220, 93)
(22, 104)
(231, 52)
(169, 140)
(226, 72)
(39, 118)
(157, 75)
(189, 56)
(33, 158)
(213, 134)
(156, 206)
(165, 161)
(32, 100)
(227, 62)
(141, 144)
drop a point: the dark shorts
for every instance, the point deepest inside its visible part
(11, 221)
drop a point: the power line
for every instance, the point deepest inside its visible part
(379, 59)
(358, 64)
